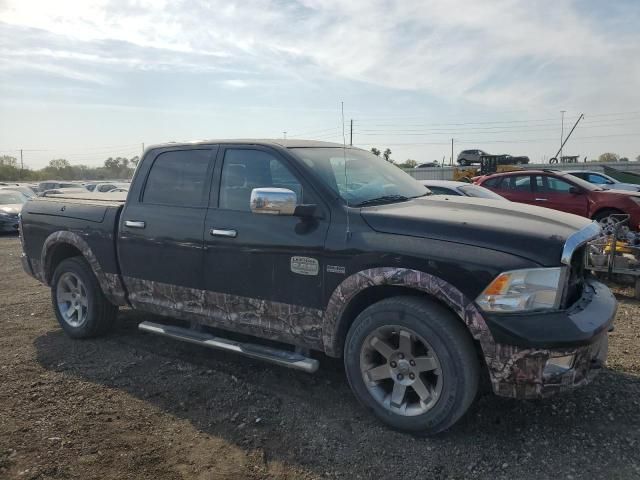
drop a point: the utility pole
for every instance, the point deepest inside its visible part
(21, 164)
(351, 134)
(562, 112)
(452, 152)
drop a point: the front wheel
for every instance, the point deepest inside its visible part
(413, 363)
(463, 162)
(79, 304)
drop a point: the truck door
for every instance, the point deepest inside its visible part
(160, 244)
(552, 192)
(264, 271)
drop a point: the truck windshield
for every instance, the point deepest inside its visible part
(359, 177)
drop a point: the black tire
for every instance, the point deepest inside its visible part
(99, 314)
(553, 160)
(463, 162)
(603, 214)
(450, 342)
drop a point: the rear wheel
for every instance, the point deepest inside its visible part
(412, 363)
(79, 304)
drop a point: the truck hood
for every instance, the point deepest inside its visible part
(535, 233)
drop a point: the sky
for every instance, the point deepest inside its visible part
(85, 80)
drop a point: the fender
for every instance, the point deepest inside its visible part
(404, 277)
(110, 283)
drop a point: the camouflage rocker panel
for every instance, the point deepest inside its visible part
(109, 282)
(278, 321)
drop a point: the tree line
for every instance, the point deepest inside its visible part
(62, 169)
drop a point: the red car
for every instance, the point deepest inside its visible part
(562, 191)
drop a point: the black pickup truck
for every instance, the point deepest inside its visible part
(273, 249)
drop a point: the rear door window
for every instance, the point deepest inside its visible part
(516, 183)
(492, 182)
(178, 178)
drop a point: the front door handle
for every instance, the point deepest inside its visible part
(216, 232)
(134, 224)
(541, 199)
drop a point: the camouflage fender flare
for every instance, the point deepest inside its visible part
(435, 286)
(109, 282)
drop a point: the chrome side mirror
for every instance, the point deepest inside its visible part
(273, 201)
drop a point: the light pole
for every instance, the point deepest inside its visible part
(562, 112)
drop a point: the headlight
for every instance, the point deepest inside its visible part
(523, 290)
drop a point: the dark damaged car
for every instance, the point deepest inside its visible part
(275, 249)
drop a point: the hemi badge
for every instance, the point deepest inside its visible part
(336, 269)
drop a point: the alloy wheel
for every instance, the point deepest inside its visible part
(72, 299)
(401, 370)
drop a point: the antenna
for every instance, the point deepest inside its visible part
(346, 179)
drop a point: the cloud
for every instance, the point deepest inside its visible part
(235, 83)
(499, 53)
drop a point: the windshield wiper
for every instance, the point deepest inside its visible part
(382, 200)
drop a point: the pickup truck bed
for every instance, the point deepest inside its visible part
(90, 225)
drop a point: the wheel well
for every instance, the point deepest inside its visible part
(377, 293)
(368, 297)
(60, 252)
(606, 209)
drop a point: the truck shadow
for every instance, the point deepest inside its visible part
(314, 422)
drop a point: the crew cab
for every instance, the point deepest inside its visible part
(274, 249)
(565, 192)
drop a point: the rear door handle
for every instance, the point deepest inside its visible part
(541, 199)
(134, 224)
(217, 232)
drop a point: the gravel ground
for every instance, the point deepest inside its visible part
(132, 405)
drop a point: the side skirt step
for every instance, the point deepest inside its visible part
(279, 357)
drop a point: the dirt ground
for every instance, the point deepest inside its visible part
(135, 406)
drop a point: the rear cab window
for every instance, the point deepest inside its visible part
(178, 178)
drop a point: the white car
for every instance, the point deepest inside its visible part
(604, 181)
(450, 187)
(106, 187)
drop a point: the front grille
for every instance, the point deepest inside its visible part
(575, 281)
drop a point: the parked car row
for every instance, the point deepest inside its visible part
(49, 188)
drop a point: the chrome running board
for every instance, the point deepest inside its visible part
(268, 354)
